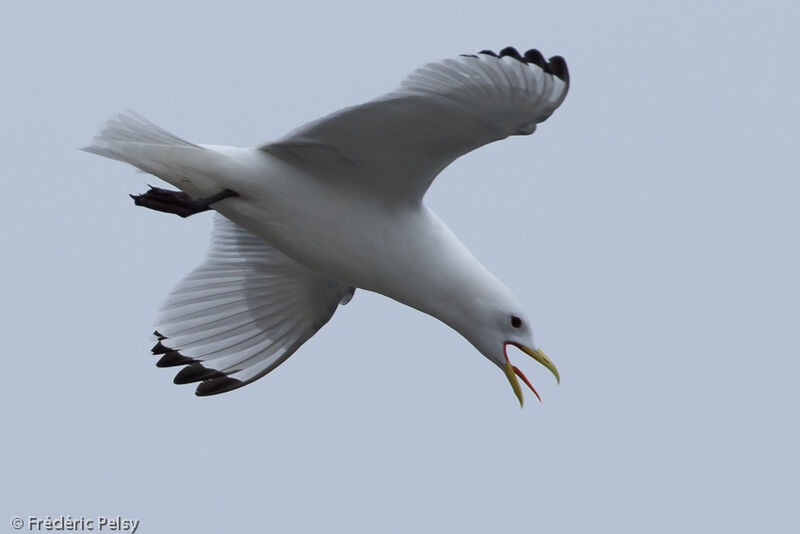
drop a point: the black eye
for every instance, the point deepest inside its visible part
(516, 322)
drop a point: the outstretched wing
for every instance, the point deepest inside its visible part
(398, 143)
(242, 312)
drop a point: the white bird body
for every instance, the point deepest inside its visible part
(305, 215)
(337, 205)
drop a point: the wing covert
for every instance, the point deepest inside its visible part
(396, 144)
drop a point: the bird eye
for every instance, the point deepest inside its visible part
(516, 322)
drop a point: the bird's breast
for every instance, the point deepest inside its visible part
(342, 231)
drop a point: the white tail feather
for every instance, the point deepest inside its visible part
(131, 138)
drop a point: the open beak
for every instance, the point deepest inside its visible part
(512, 372)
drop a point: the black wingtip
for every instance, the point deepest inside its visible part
(195, 372)
(173, 358)
(511, 51)
(218, 385)
(212, 382)
(160, 348)
(559, 67)
(555, 65)
(535, 57)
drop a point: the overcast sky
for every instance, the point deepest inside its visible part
(650, 227)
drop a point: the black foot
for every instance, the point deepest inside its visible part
(178, 202)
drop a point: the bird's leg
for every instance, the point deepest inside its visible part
(178, 202)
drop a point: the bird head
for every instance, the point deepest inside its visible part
(500, 327)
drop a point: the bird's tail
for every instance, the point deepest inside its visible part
(131, 138)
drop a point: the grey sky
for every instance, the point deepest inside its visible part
(650, 227)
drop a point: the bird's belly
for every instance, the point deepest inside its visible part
(336, 230)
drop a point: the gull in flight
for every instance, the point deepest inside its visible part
(333, 206)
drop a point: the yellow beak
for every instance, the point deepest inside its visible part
(512, 372)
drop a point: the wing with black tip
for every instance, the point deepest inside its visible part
(395, 145)
(241, 313)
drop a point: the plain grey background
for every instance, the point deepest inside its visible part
(649, 227)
